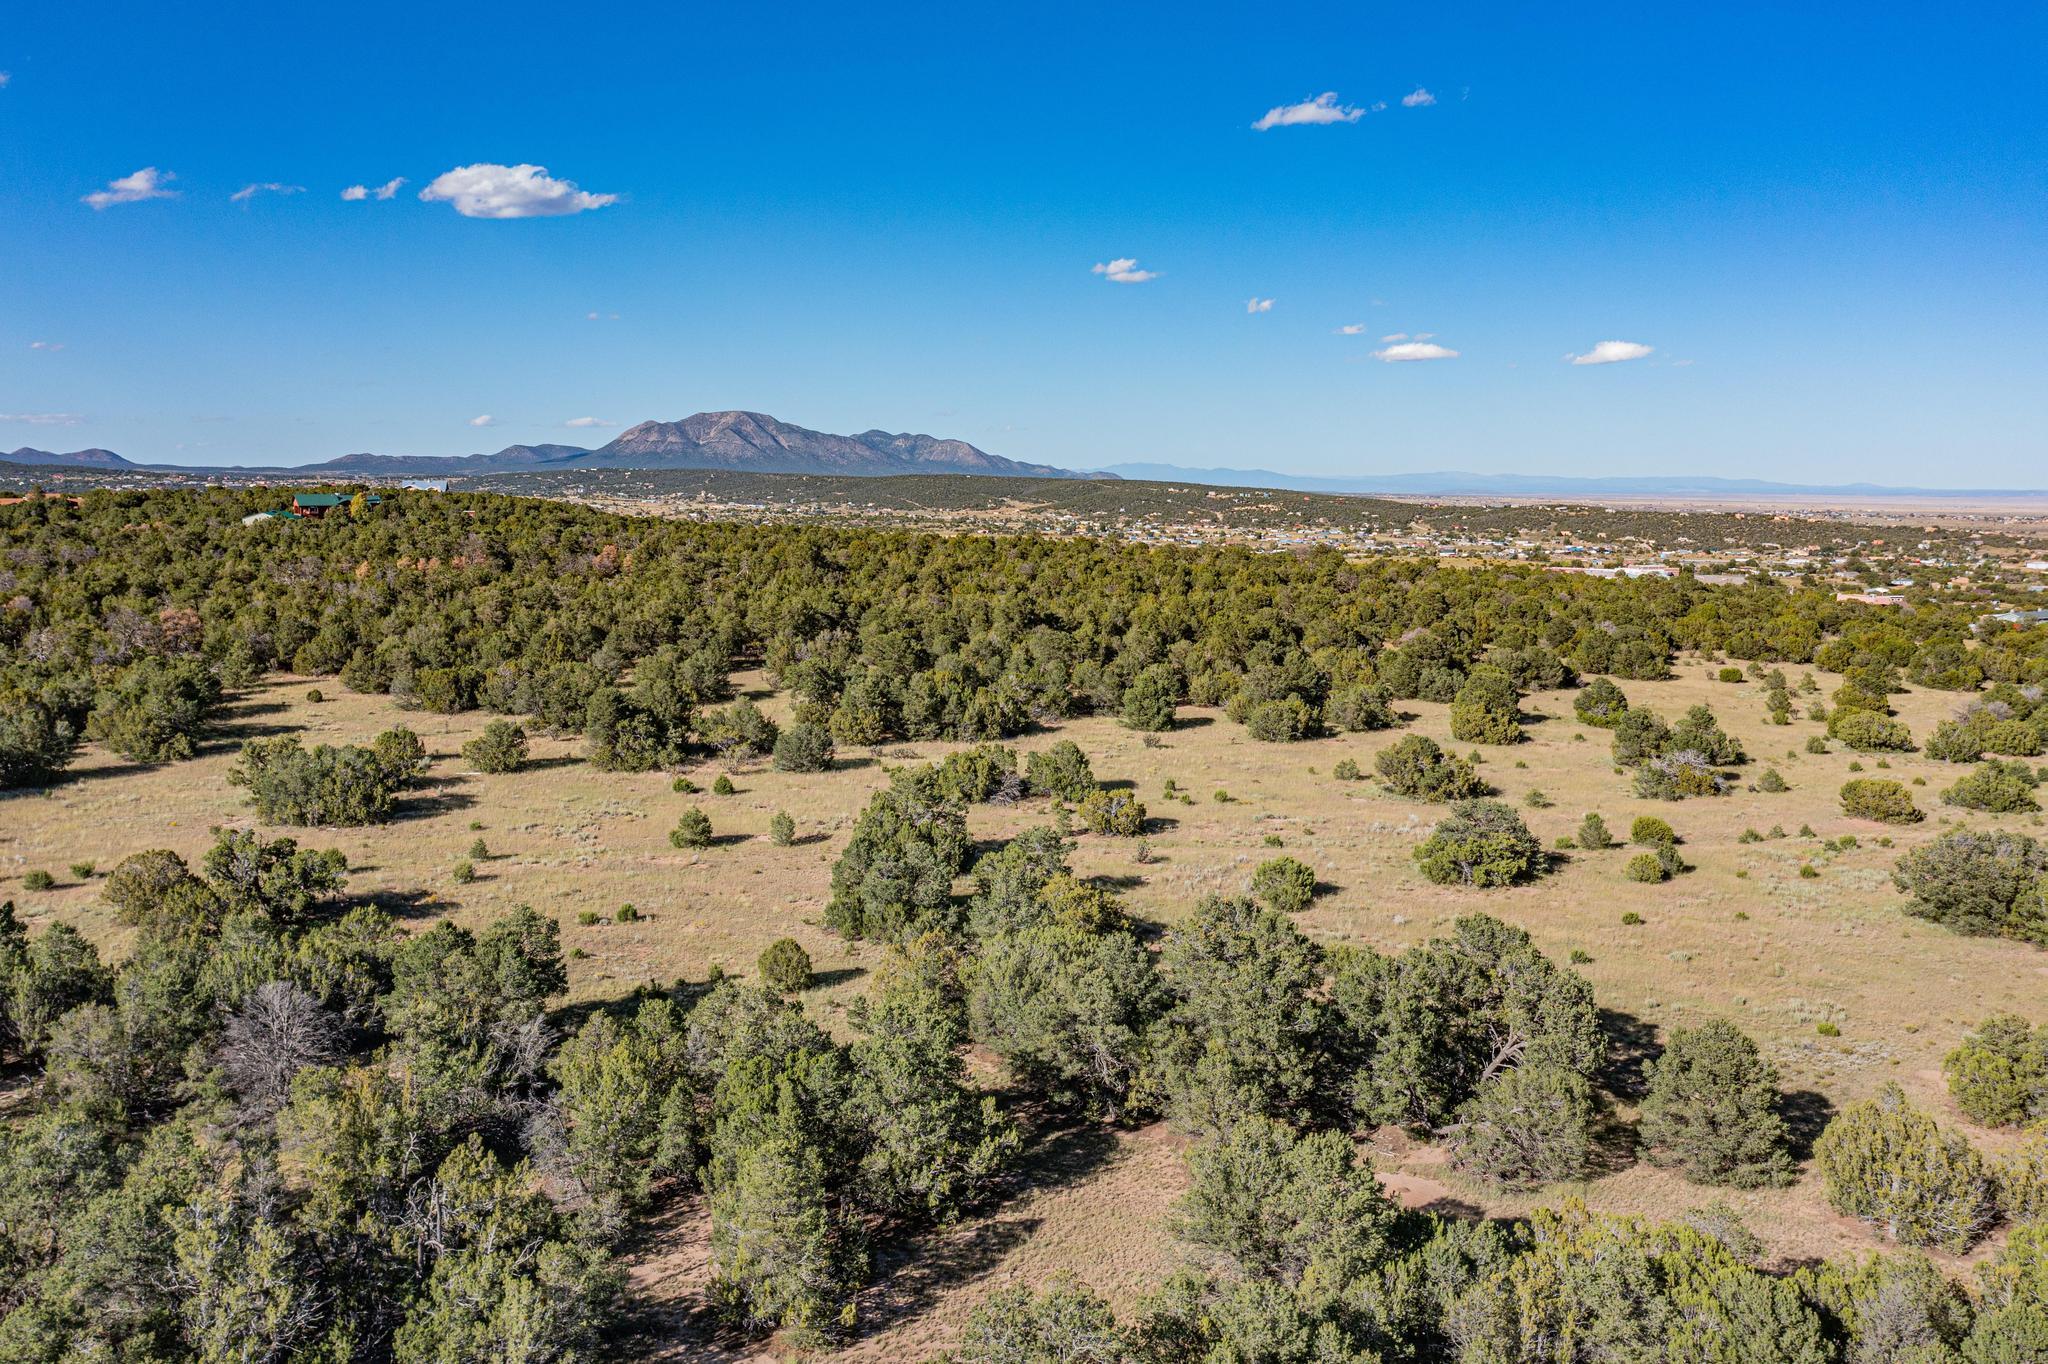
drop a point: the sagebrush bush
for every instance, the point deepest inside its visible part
(1881, 799)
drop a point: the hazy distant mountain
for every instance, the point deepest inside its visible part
(747, 441)
(76, 459)
(1453, 483)
(757, 443)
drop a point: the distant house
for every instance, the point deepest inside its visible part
(1873, 598)
(2016, 619)
(313, 506)
(425, 485)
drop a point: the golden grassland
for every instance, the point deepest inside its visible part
(1742, 936)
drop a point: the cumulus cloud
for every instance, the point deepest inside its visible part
(1322, 109)
(485, 420)
(1612, 352)
(586, 421)
(1352, 329)
(42, 418)
(46, 345)
(1414, 350)
(1122, 270)
(355, 194)
(147, 183)
(1418, 98)
(248, 192)
(488, 190)
(1258, 305)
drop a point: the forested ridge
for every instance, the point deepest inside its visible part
(283, 1127)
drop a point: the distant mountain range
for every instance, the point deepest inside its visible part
(746, 441)
(1536, 485)
(750, 442)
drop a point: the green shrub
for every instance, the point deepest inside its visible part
(1346, 770)
(803, 748)
(982, 773)
(1677, 775)
(1062, 771)
(1980, 884)
(84, 870)
(1148, 702)
(313, 695)
(38, 880)
(1868, 732)
(1647, 867)
(1996, 786)
(1593, 834)
(589, 917)
(1816, 744)
(723, 786)
(626, 914)
(1282, 720)
(1631, 919)
(501, 748)
(1808, 872)
(785, 967)
(781, 829)
(1116, 813)
(1711, 1110)
(1999, 1075)
(1599, 703)
(1359, 709)
(401, 754)
(693, 829)
(1769, 780)
(1881, 799)
(290, 784)
(739, 729)
(1536, 800)
(1885, 1163)
(1485, 709)
(1648, 829)
(1528, 1126)
(1284, 885)
(1730, 674)
(1415, 767)
(1480, 843)
(465, 872)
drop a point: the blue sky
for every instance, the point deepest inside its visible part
(1827, 228)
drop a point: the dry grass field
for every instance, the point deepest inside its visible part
(1741, 936)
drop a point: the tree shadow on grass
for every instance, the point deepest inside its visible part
(1631, 1041)
(837, 976)
(550, 764)
(405, 904)
(428, 806)
(916, 1271)
(1807, 1113)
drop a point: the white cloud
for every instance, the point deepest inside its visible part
(248, 192)
(5, 76)
(1122, 270)
(42, 418)
(485, 420)
(586, 421)
(1425, 336)
(1322, 109)
(1612, 352)
(147, 183)
(488, 190)
(1414, 350)
(1258, 305)
(46, 345)
(1418, 98)
(355, 194)
(601, 317)
(1352, 329)
(1393, 336)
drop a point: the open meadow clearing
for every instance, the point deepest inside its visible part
(1742, 935)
